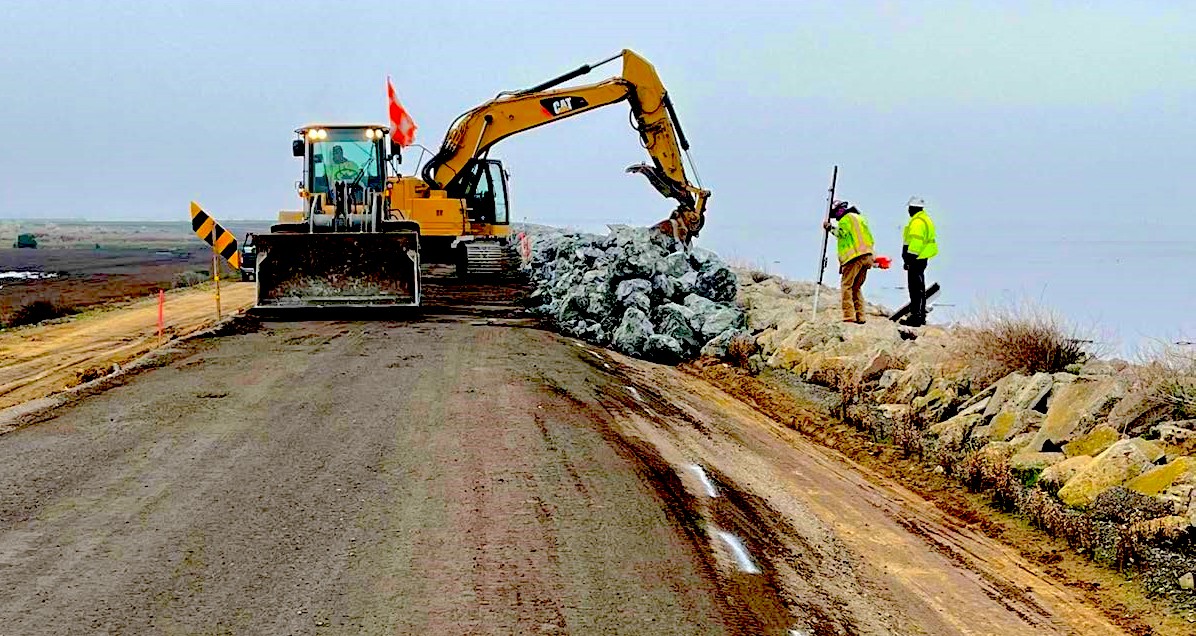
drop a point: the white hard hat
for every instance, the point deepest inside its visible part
(916, 202)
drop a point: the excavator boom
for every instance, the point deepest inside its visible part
(475, 131)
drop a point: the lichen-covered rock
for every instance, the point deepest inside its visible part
(1030, 465)
(1006, 388)
(1177, 438)
(911, 383)
(1153, 450)
(1118, 464)
(1093, 443)
(1075, 408)
(935, 404)
(1139, 411)
(880, 363)
(1008, 424)
(1058, 475)
(996, 452)
(952, 433)
(1156, 480)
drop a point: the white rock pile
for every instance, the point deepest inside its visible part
(633, 291)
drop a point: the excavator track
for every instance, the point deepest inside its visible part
(488, 258)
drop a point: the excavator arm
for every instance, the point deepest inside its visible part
(475, 131)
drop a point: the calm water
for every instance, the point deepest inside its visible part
(1125, 285)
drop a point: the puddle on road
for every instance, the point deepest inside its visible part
(20, 275)
(742, 558)
(711, 491)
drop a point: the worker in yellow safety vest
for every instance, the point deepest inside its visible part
(919, 247)
(855, 256)
(341, 168)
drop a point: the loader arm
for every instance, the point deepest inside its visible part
(475, 131)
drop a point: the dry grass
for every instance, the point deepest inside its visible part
(755, 270)
(740, 349)
(994, 476)
(1026, 339)
(1169, 377)
(907, 432)
(35, 311)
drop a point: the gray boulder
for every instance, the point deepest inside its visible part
(663, 287)
(632, 333)
(676, 321)
(639, 300)
(717, 347)
(720, 320)
(688, 283)
(632, 286)
(718, 283)
(662, 348)
(674, 265)
(574, 305)
(701, 307)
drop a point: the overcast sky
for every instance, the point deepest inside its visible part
(1025, 125)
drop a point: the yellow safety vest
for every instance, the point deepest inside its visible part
(855, 239)
(919, 236)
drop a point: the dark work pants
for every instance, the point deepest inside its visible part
(916, 271)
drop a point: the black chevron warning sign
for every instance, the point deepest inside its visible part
(214, 234)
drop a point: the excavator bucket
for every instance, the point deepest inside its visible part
(338, 270)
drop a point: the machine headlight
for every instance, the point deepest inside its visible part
(322, 134)
(311, 134)
(378, 133)
(369, 133)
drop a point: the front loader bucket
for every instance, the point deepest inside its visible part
(337, 270)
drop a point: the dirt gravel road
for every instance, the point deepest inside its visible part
(39, 360)
(345, 478)
(465, 475)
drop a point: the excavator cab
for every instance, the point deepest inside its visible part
(485, 193)
(343, 248)
(485, 249)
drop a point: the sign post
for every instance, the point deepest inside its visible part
(224, 245)
(216, 276)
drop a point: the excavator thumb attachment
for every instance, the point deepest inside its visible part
(687, 220)
(348, 269)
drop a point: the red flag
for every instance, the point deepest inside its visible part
(402, 127)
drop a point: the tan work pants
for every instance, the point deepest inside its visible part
(854, 272)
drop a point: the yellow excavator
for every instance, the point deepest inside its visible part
(362, 234)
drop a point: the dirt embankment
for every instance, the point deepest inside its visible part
(810, 411)
(40, 360)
